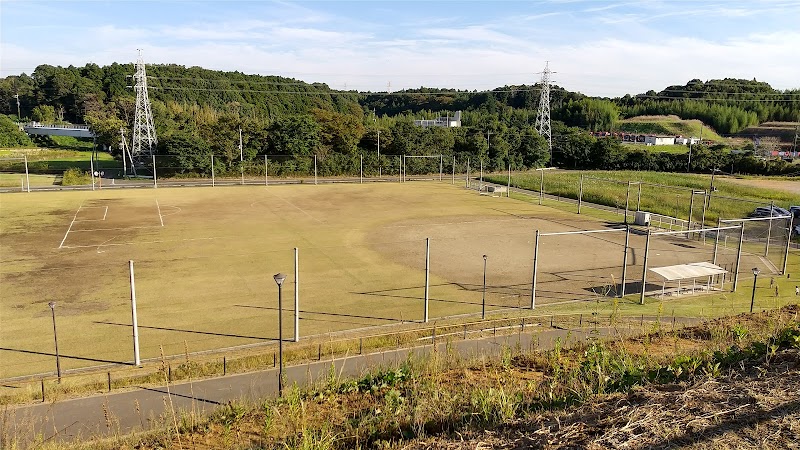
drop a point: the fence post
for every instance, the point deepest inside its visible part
(319, 353)
(788, 242)
(769, 227)
(42, 390)
(155, 182)
(109, 381)
(274, 360)
(360, 346)
(213, 180)
(465, 332)
(541, 186)
(224, 365)
(580, 194)
(627, 200)
(738, 258)
(535, 269)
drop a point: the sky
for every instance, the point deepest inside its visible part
(599, 48)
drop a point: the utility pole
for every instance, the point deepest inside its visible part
(19, 116)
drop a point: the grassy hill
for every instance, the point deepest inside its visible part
(668, 125)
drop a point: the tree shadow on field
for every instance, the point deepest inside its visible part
(209, 333)
(61, 355)
(355, 316)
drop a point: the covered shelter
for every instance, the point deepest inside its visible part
(683, 278)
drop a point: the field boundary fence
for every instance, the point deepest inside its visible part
(192, 366)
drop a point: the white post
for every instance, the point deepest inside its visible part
(454, 170)
(91, 171)
(541, 186)
(361, 177)
(296, 298)
(27, 177)
(315, 169)
(266, 170)
(480, 184)
(535, 269)
(427, 273)
(379, 153)
(136, 360)
(241, 155)
(508, 188)
(155, 183)
(644, 267)
(213, 181)
(441, 166)
(400, 170)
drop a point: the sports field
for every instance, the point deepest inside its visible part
(204, 260)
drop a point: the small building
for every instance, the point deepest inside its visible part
(659, 140)
(446, 121)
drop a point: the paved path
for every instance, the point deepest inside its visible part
(147, 407)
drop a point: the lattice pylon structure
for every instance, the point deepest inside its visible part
(144, 132)
(543, 116)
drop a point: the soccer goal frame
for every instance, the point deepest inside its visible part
(440, 157)
(25, 182)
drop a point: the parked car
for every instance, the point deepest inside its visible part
(795, 210)
(767, 211)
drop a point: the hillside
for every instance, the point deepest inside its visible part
(781, 133)
(668, 125)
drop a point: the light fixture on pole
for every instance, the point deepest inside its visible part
(279, 277)
(52, 306)
(755, 279)
(483, 303)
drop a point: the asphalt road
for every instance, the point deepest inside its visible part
(144, 408)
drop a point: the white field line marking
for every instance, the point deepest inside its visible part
(70, 226)
(140, 242)
(465, 222)
(160, 217)
(112, 229)
(177, 210)
(104, 243)
(288, 203)
(105, 213)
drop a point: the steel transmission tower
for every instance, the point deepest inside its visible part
(144, 133)
(543, 117)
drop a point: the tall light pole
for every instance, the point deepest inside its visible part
(279, 277)
(52, 306)
(755, 279)
(19, 115)
(483, 303)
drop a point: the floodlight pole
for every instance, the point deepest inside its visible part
(644, 267)
(755, 280)
(580, 194)
(52, 306)
(315, 168)
(296, 297)
(213, 181)
(279, 278)
(27, 177)
(483, 302)
(266, 170)
(535, 269)
(625, 261)
(134, 321)
(716, 240)
(361, 172)
(427, 274)
(738, 257)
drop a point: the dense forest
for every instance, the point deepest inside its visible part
(199, 112)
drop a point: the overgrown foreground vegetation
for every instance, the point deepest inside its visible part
(728, 383)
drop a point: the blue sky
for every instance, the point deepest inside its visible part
(605, 48)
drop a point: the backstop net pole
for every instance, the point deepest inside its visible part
(788, 243)
(716, 241)
(27, 177)
(769, 227)
(213, 181)
(315, 169)
(454, 170)
(580, 193)
(296, 297)
(400, 169)
(535, 269)
(644, 267)
(738, 258)
(627, 201)
(625, 261)
(155, 182)
(441, 166)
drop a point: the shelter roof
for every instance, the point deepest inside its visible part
(688, 271)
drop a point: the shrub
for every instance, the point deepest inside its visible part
(74, 176)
